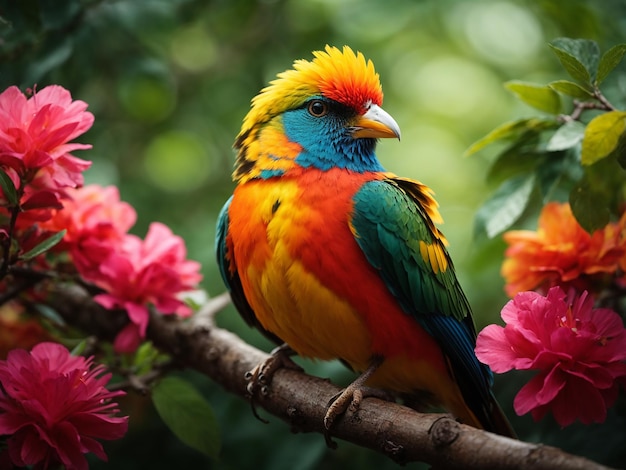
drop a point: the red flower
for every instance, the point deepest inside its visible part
(96, 222)
(578, 350)
(53, 407)
(153, 271)
(560, 252)
(34, 136)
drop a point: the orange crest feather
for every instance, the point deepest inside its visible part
(334, 73)
(344, 76)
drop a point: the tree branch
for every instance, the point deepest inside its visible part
(299, 399)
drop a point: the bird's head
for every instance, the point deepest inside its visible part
(324, 113)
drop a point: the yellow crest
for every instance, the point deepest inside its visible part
(338, 74)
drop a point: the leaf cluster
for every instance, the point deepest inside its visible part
(578, 156)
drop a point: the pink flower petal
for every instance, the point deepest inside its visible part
(579, 400)
(142, 272)
(28, 449)
(53, 405)
(541, 389)
(127, 340)
(139, 315)
(36, 133)
(492, 348)
(526, 398)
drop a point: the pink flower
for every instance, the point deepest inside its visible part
(96, 222)
(34, 139)
(153, 271)
(54, 406)
(578, 350)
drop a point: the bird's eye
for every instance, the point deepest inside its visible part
(318, 108)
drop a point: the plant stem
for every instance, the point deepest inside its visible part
(6, 243)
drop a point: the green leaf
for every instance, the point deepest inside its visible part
(541, 97)
(44, 245)
(589, 207)
(610, 59)
(50, 314)
(602, 136)
(80, 348)
(145, 357)
(571, 89)
(620, 151)
(8, 188)
(566, 136)
(187, 415)
(510, 131)
(515, 160)
(578, 56)
(597, 195)
(556, 174)
(55, 15)
(505, 206)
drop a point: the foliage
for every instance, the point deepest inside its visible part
(187, 414)
(570, 153)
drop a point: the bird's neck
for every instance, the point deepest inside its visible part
(268, 152)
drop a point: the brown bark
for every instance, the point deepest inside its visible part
(301, 400)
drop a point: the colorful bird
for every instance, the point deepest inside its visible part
(325, 251)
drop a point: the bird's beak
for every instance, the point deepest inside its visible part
(375, 123)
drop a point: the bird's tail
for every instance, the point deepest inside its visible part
(488, 416)
(497, 421)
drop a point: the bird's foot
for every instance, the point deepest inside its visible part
(261, 376)
(350, 399)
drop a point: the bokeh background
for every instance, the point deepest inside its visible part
(169, 82)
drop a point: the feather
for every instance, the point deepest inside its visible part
(395, 231)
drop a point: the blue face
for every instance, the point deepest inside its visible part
(322, 127)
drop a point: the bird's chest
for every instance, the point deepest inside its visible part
(296, 257)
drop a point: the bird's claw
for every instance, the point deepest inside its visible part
(350, 398)
(260, 378)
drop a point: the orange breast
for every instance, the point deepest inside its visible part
(309, 283)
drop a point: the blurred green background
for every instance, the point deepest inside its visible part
(169, 82)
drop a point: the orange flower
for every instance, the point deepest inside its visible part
(560, 252)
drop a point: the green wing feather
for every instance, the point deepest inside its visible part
(393, 224)
(389, 224)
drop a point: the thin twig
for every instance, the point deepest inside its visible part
(142, 383)
(597, 94)
(213, 306)
(8, 240)
(28, 277)
(601, 104)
